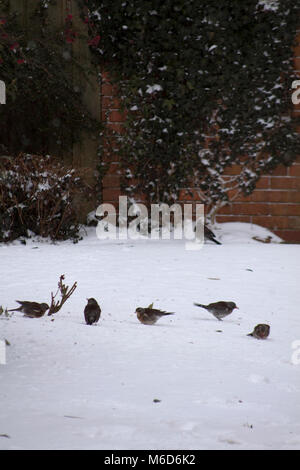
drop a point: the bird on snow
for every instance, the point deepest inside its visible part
(92, 312)
(219, 309)
(208, 233)
(261, 331)
(31, 309)
(149, 315)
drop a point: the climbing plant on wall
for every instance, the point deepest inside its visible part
(206, 84)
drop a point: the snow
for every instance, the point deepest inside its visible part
(67, 385)
(152, 88)
(271, 5)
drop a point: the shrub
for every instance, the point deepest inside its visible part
(37, 196)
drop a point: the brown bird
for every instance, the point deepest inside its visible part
(219, 309)
(31, 309)
(208, 233)
(261, 331)
(92, 312)
(149, 315)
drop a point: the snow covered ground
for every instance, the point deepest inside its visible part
(67, 385)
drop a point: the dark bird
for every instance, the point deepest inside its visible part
(208, 233)
(92, 312)
(261, 331)
(149, 315)
(31, 309)
(219, 309)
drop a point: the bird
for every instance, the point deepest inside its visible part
(92, 312)
(208, 233)
(149, 315)
(261, 331)
(219, 309)
(31, 309)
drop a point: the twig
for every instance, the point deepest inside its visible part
(65, 293)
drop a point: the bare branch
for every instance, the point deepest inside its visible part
(65, 293)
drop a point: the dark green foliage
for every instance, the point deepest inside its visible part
(215, 67)
(44, 111)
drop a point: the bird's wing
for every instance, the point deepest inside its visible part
(208, 233)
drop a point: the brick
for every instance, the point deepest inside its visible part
(285, 209)
(279, 171)
(297, 63)
(294, 222)
(263, 183)
(117, 116)
(257, 196)
(233, 170)
(113, 115)
(114, 169)
(220, 218)
(290, 236)
(295, 114)
(250, 209)
(295, 170)
(276, 196)
(273, 223)
(110, 102)
(111, 181)
(111, 195)
(107, 89)
(285, 183)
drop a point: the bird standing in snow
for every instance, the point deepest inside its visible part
(209, 235)
(92, 312)
(261, 331)
(31, 309)
(219, 309)
(149, 315)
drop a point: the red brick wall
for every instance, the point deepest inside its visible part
(275, 203)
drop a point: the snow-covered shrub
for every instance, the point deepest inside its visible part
(37, 197)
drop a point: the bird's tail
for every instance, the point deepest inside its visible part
(216, 241)
(200, 305)
(168, 313)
